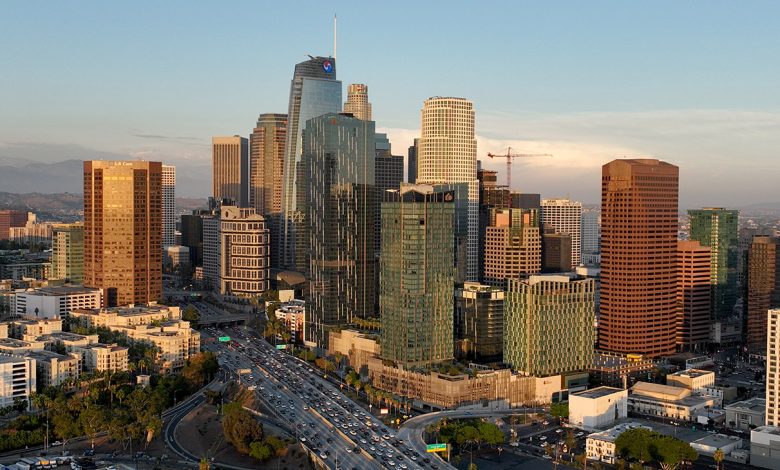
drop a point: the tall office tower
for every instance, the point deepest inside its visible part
(389, 175)
(447, 153)
(693, 296)
(411, 176)
(123, 230)
(211, 250)
(638, 257)
(339, 152)
(243, 254)
(591, 237)
(773, 375)
(513, 245)
(548, 324)
(266, 163)
(491, 196)
(717, 228)
(417, 280)
(314, 91)
(11, 218)
(479, 322)
(67, 252)
(357, 102)
(168, 205)
(565, 216)
(230, 169)
(556, 251)
(192, 235)
(763, 289)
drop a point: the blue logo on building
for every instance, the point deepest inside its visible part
(327, 66)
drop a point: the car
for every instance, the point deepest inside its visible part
(546, 423)
(543, 438)
(56, 443)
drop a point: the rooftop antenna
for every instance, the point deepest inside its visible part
(334, 36)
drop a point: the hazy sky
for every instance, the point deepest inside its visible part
(694, 83)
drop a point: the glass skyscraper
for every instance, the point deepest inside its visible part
(314, 91)
(417, 276)
(339, 161)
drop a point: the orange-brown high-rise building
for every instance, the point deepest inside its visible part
(638, 257)
(266, 163)
(513, 246)
(693, 295)
(11, 218)
(763, 289)
(123, 230)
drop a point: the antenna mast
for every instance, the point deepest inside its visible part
(334, 35)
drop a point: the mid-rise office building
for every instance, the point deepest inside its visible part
(591, 238)
(479, 322)
(763, 289)
(230, 169)
(638, 301)
(556, 251)
(339, 151)
(693, 296)
(123, 230)
(168, 205)
(314, 91)
(549, 324)
(55, 302)
(192, 235)
(416, 288)
(67, 252)
(447, 154)
(411, 162)
(491, 196)
(32, 233)
(11, 218)
(389, 172)
(513, 245)
(357, 102)
(266, 158)
(243, 253)
(716, 228)
(565, 216)
(211, 250)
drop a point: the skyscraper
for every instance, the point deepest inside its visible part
(266, 162)
(243, 254)
(565, 216)
(67, 252)
(211, 250)
(591, 237)
(716, 228)
(230, 169)
(339, 153)
(416, 288)
(479, 322)
(357, 102)
(638, 256)
(314, 91)
(192, 235)
(549, 324)
(556, 251)
(693, 296)
(447, 153)
(513, 245)
(169, 205)
(389, 175)
(411, 176)
(763, 289)
(772, 327)
(123, 230)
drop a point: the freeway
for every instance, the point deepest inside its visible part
(329, 424)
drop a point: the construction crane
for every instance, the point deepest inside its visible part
(509, 156)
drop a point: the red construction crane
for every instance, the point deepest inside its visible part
(509, 156)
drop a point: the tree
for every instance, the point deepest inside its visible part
(261, 451)
(490, 434)
(560, 410)
(200, 368)
(670, 452)
(240, 427)
(635, 444)
(191, 315)
(325, 364)
(718, 457)
(92, 420)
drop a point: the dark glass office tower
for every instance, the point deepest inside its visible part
(314, 91)
(339, 159)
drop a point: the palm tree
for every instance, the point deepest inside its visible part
(718, 457)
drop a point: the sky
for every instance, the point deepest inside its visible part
(692, 83)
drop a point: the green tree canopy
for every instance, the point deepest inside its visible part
(240, 427)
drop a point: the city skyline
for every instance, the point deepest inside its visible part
(705, 107)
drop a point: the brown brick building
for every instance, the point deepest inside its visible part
(693, 295)
(513, 245)
(763, 289)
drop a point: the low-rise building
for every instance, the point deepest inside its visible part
(617, 370)
(601, 445)
(668, 402)
(293, 313)
(708, 445)
(174, 342)
(19, 347)
(104, 357)
(53, 369)
(29, 329)
(692, 379)
(17, 379)
(747, 414)
(356, 346)
(68, 340)
(125, 316)
(598, 408)
(55, 302)
(765, 447)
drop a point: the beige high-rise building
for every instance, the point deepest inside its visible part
(513, 245)
(772, 373)
(123, 230)
(266, 161)
(447, 153)
(169, 205)
(244, 261)
(230, 169)
(67, 252)
(565, 216)
(357, 102)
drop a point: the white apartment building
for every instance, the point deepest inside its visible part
(103, 357)
(17, 379)
(54, 302)
(53, 369)
(174, 340)
(126, 316)
(565, 216)
(601, 445)
(244, 261)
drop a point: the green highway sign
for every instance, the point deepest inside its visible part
(281, 346)
(436, 448)
(224, 339)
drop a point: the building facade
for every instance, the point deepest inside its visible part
(230, 169)
(565, 216)
(411, 162)
(211, 251)
(549, 324)
(417, 278)
(123, 230)
(243, 254)
(17, 379)
(763, 289)
(693, 296)
(638, 257)
(513, 245)
(357, 102)
(598, 408)
(168, 205)
(339, 153)
(266, 162)
(11, 218)
(479, 322)
(67, 252)
(55, 302)
(772, 374)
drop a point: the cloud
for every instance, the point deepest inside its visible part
(167, 137)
